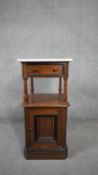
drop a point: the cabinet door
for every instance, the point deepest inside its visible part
(47, 127)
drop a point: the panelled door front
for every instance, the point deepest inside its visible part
(47, 127)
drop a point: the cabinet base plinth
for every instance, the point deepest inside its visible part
(30, 155)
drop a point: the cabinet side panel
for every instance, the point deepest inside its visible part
(61, 127)
(27, 127)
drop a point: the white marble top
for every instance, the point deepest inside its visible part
(45, 60)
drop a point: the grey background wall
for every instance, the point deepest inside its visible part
(46, 28)
(50, 28)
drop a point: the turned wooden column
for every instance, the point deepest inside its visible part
(32, 86)
(25, 88)
(65, 80)
(25, 91)
(60, 85)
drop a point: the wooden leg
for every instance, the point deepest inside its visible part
(65, 89)
(32, 86)
(60, 85)
(25, 91)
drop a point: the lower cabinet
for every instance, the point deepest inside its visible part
(45, 133)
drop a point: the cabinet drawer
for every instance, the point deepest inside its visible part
(44, 70)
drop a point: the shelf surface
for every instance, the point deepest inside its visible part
(45, 60)
(46, 100)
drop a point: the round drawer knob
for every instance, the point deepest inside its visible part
(55, 70)
(31, 129)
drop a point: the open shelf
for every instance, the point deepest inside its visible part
(46, 100)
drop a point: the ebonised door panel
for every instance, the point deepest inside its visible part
(47, 127)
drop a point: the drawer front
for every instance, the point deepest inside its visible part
(44, 70)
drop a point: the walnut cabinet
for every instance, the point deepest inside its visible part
(45, 115)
